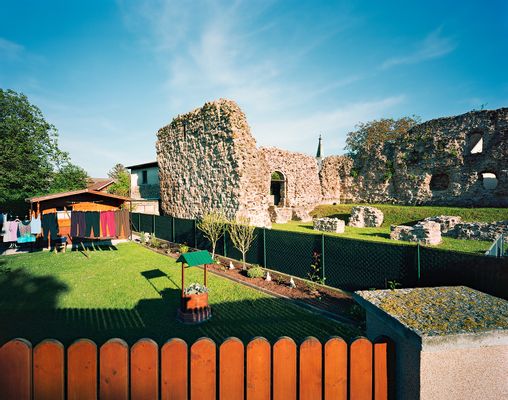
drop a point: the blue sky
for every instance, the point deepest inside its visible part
(110, 74)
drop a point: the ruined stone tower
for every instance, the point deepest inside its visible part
(208, 161)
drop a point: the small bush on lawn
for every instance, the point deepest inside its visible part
(255, 272)
(154, 242)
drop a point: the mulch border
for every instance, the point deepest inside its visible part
(299, 303)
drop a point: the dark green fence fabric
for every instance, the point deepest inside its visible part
(185, 231)
(445, 268)
(345, 263)
(357, 264)
(164, 228)
(135, 222)
(291, 252)
(146, 223)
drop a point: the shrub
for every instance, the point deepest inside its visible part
(184, 249)
(154, 242)
(142, 238)
(255, 272)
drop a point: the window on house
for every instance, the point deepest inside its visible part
(489, 180)
(144, 177)
(439, 182)
(475, 143)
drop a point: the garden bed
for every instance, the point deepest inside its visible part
(331, 302)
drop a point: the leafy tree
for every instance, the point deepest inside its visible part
(242, 236)
(68, 177)
(29, 149)
(370, 135)
(122, 178)
(213, 225)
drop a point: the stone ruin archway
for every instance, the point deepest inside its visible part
(278, 186)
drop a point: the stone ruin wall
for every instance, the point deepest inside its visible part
(403, 171)
(208, 161)
(300, 171)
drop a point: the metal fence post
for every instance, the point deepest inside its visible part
(173, 228)
(139, 222)
(418, 259)
(225, 239)
(153, 224)
(195, 234)
(323, 274)
(264, 247)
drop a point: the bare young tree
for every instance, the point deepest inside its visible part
(213, 225)
(242, 236)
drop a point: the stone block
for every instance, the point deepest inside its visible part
(366, 217)
(428, 232)
(334, 225)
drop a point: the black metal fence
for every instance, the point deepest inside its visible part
(348, 264)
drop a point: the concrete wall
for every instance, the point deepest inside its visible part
(150, 190)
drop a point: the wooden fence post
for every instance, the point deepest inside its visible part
(284, 369)
(203, 370)
(144, 370)
(258, 369)
(311, 369)
(360, 370)
(48, 370)
(231, 370)
(174, 364)
(16, 370)
(114, 370)
(82, 370)
(335, 373)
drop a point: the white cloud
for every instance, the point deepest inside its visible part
(9, 49)
(433, 46)
(220, 49)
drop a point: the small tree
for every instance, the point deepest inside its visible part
(242, 236)
(122, 178)
(213, 225)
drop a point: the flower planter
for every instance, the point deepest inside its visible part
(194, 309)
(190, 302)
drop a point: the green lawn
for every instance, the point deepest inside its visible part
(131, 293)
(401, 215)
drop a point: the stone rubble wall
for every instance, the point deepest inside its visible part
(366, 217)
(401, 171)
(337, 184)
(447, 222)
(425, 232)
(300, 171)
(280, 215)
(329, 225)
(208, 161)
(479, 230)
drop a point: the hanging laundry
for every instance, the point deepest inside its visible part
(24, 232)
(11, 231)
(108, 226)
(49, 225)
(64, 223)
(92, 220)
(122, 223)
(78, 224)
(35, 225)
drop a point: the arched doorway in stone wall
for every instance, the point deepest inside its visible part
(278, 188)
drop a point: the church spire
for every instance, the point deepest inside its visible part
(319, 153)
(319, 149)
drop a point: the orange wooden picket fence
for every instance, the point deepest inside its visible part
(232, 371)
